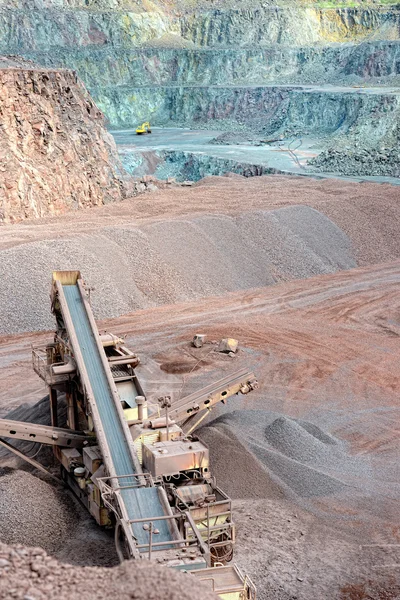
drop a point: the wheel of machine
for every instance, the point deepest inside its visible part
(121, 544)
(222, 554)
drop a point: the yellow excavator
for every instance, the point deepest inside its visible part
(143, 128)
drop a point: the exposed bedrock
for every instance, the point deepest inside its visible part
(270, 110)
(345, 63)
(290, 26)
(55, 153)
(24, 29)
(187, 166)
(132, 44)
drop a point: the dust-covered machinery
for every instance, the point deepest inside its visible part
(136, 465)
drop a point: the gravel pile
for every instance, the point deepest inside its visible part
(282, 455)
(298, 479)
(33, 512)
(293, 440)
(364, 161)
(230, 138)
(237, 470)
(30, 574)
(170, 261)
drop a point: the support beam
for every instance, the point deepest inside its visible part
(242, 381)
(44, 434)
(70, 410)
(31, 461)
(53, 406)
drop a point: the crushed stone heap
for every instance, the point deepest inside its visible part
(33, 512)
(31, 573)
(55, 153)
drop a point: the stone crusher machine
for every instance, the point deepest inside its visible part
(136, 466)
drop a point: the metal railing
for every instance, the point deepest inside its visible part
(41, 366)
(39, 363)
(139, 480)
(203, 524)
(195, 541)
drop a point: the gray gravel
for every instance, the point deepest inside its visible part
(33, 512)
(33, 575)
(294, 457)
(359, 161)
(293, 440)
(171, 261)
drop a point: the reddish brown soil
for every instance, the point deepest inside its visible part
(325, 350)
(367, 212)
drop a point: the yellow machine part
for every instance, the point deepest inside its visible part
(66, 277)
(143, 128)
(131, 414)
(151, 436)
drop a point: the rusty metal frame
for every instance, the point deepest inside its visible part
(44, 434)
(185, 410)
(29, 460)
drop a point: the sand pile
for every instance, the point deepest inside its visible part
(32, 512)
(171, 261)
(29, 574)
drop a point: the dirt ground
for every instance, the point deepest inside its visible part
(326, 351)
(366, 212)
(311, 524)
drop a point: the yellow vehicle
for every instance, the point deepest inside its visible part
(143, 128)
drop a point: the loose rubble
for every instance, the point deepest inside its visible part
(33, 512)
(30, 574)
(363, 161)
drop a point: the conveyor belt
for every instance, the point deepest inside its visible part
(140, 502)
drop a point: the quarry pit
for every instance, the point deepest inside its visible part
(263, 206)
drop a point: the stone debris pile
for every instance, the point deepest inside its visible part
(30, 574)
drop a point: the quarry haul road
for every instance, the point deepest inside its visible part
(330, 293)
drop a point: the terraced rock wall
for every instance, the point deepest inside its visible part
(180, 63)
(58, 24)
(117, 45)
(107, 66)
(269, 110)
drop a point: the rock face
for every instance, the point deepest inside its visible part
(187, 166)
(119, 47)
(104, 66)
(224, 63)
(55, 154)
(288, 110)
